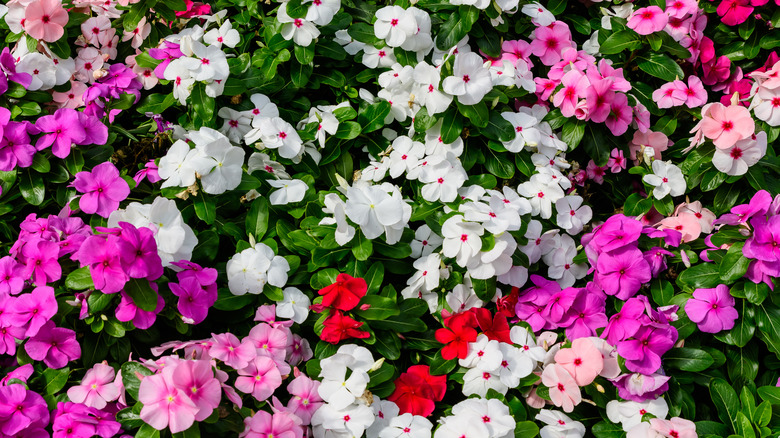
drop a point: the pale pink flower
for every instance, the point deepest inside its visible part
(196, 379)
(260, 378)
(657, 141)
(97, 388)
(648, 20)
(72, 98)
(686, 224)
(583, 361)
(669, 95)
(139, 34)
(676, 427)
(164, 405)
(703, 215)
(727, 125)
(564, 391)
(45, 20)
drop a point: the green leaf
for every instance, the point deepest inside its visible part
(201, 102)
(526, 429)
(662, 291)
(744, 327)
(605, 429)
(499, 164)
(79, 279)
(32, 187)
(688, 359)
(380, 307)
(373, 117)
(155, 103)
(743, 427)
(439, 366)
(572, 133)
(498, 128)
(388, 346)
(413, 307)
(374, 277)
(655, 41)
(227, 301)
(755, 293)
(257, 218)
(304, 54)
(300, 73)
(725, 400)
(704, 275)
(452, 125)
(147, 431)
(362, 32)
(660, 66)
(192, 432)
(144, 297)
(770, 394)
(54, 380)
(132, 373)
(456, 27)
(348, 130)
(477, 114)
(619, 41)
(362, 247)
(485, 289)
(598, 144)
(733, 265)
(205, 207)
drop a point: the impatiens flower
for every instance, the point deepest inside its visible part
(417, 391)
(583, 361)
(55, 346)
(645, 21)
(727, 125)
(622, 272)
(457, 336)
(97, 388)
(712, 309)
(227, 348)
(264, 425)
(45, 20)
(103, 189)
(305, 397)
(667, 179)
(33, 310)
(564, 391)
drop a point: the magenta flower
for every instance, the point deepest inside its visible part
(196, 379)
(640, 387)
(712, 309)
(229, 349)
(164, 404)
(621, 115)
(101, 254)
(305, 398)
(194, 300)
(648, 20)
(617, 232)
(12, 276)
(96, 131)
(740, 214)
(656, 258)
(643, 353)
(138, 252)
(532, 302)
(21, 410)
(75, 420)
(574, 86)
(15, 146)
(625, 323)
(549, 42)
(40, 258)
(142, 319)
(764, 244)
(97, 388)
(260, 378)
(55, 346)
(734, 12)
(622, 272)
(557, 310)
(61, 130)
(599, 97)
(588, 313)
(103, 189)
(33, 310)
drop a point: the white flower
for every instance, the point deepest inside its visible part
(561, 262)
(525, 131)
(373, 57)
(503, 74)
(40, 68)
(463, 298)
(300, 30)
(321, 12)
(394, 24)
(384, 411)
(483, 354)
(327, 123)
(461, 239)
(421, 41)
(350, 45)
(425, 242)
(181, 163)
(405, 155)
(407, 426)
(524, 339)
(442, 177)
(470, 80)
(630, 413)
(249, 270)
(496, 218)
(275, 133)
(427, 78)
(290, 191)
(496, 261)
(539, 15)
(737, 159)
(644, 430)
(428, 272)
(211, 63)
(551, 175)
(479, 382)
(766, 105)
(237, 123)
(491, 412)
(226, 172)
(541, 195)
(666, 178)
(572, 215)
(479, 4)
(295, 305)
(335, 206)
(349, 422)
(264, 108)
(509, 198)
(175, 239)
(461, 427)
(224, 35)
(178, 72)
(339, 390)
(515, 365)
(373, 209)
(559, 425)
(261, 161)
(435, 146)
(538, 244)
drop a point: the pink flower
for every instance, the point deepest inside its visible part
(142, 319)
(620, 116)
(41, 260)
(549, 41)
(695, 94)
(305, 398)
(648, 20)
(676, 427)
(686, 224)
(61, 130)
(196, 379)
(734, 12)
(33, 310)
(102, 255)
(712, 309)
(668, 95)
(622, 272)
(574, 86)
(229, 349)
(55, 346)
(45, 20)
(596, 173)
(97, 388)
(599, 97)
(260, 378)
(658, 141)
(164, 404)
(103, 189)
(564, 391)
(617, 161)
(265, 425)
(269, 341)
(727, 125)
(583, 361)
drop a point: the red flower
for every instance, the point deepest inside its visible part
(417, 391)
(338, 327)
(495, 328)
(345, 293)
(506, 305)
(456, 337)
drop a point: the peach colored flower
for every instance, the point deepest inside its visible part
(727, 125)
(45, 20)
(564, 391)
(583, 361)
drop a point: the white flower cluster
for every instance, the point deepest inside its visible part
(214, 160)
(629, 413)
(304, 30)
(175, 239)
(46, 70)
(498, 365)
(251, 269)
(201, 62)
(477, 418)
(559, 425)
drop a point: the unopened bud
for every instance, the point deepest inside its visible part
(365, 306)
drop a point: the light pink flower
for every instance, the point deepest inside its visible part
(658, 141)
(97, 388)
(196, 379)
(564, 391)
(229, 349)
(686, 224)
(676, 427)
(669, 95)
(549, 41)
(45, 20)
(583, 361)
(727, 125)
(260, 378)
(648, 20)
(164, 404)
(703, 215)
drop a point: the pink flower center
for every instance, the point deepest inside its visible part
(577, 361)
(665, 179)
(394, 22)
(298, 22)
(45, 19)
(647, 15)
(466, 78)
(486, 376)
(282, 135)
(736, 153)
(727, 126)
(464, 237)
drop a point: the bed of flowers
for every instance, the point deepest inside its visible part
(419, 219)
